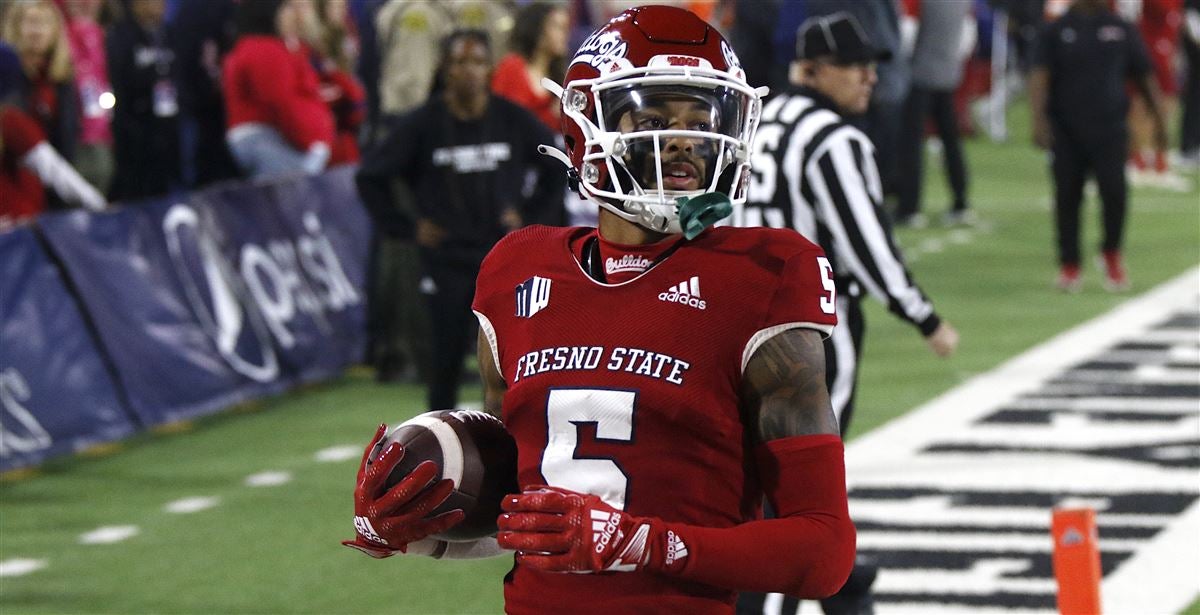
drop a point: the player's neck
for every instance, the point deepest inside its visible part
(613, 228)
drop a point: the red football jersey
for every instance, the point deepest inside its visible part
(630, 391)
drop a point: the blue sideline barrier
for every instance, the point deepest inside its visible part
(55, 394)
(201, 302)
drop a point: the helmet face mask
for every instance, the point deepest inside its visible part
(656, 107)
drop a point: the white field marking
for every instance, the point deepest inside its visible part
(1161, 574)
(190, 505)
(108, 534)
(338, 453)
(268, 479)
(960, 236)
(19, 566)
(1106, 404)
(1167, 560)
(932, 245)
(984, 540)
(984, 577)
(919, 511)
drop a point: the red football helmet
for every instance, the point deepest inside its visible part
(656, 107)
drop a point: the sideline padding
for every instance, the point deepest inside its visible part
(56, 396)
(198, 302)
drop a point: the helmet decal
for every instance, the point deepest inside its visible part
(656, 110)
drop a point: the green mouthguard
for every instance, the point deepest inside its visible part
(700, 212)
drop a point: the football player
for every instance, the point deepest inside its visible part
(659, 375)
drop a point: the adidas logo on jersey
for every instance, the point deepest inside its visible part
(687, 293)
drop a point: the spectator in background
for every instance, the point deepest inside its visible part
(27, 161)
(539, 49)
(367, 63)
(332, 56)
(146, 117)
(47, 90)
(1079, 103)
(1189, 138)
(409, 35)
(277, 122)
(1158, 21)
(94, 157)
(464, 155)
(202, 34)
(937, 62)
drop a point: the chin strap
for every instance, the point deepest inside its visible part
(700, 212)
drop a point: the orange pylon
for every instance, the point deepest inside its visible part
(1076, 561)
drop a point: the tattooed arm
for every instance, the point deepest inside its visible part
(783, 388)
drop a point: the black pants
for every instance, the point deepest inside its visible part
(1189, 139)
(842, 351)
(1076, 155)
(938, 104)
(397, 317)
(448, 289)
(881, 123)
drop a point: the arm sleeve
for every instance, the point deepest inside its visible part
(393, 158)
(60, 176)
(807, 551)
(844, 179)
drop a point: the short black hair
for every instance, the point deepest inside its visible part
(464, 34)
(257, 17)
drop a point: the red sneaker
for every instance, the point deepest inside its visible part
(1115, 279)
(1068, 279)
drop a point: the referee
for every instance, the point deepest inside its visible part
(816, 173)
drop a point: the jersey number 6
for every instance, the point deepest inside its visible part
(611, 411)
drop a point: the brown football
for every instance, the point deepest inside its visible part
(470, 447)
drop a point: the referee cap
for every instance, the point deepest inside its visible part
(838, 36)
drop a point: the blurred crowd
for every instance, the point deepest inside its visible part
(143, 97)
(120, 100)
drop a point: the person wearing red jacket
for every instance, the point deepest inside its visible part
(539, 43)
(277, 122)
(27, 164)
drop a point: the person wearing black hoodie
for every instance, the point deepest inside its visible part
(145, 125)
(467, 156)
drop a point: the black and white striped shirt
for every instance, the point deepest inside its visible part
(815, 173)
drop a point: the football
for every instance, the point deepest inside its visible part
(471, 448)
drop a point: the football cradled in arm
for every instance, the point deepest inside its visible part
(808, 551)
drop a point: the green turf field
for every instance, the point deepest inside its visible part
(274, 549)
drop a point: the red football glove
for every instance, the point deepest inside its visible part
(557, 530)
(386, 522)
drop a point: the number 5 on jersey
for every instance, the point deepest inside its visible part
(828, 303)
